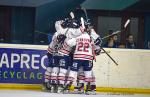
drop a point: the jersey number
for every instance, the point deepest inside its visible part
(83, 47)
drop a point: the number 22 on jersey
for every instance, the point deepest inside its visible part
(83, 47)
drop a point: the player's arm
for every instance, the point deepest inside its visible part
(59, 37)
(58, 25)
(60, 34)
(71, 42)
(96, 37)
(97, 50)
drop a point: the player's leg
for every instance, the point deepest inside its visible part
(61, 79)
(54, 74)
(48, 71)
(63, 64)
(72, 78)
(47, 77)
(87, 67)
(80, 80)
(91, 86)
(93, 83)
(67, 87)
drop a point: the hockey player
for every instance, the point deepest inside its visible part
(59, 60)
(64, 63)
(52, 69)
(83, 56)
(91, 89)
(50, 51)
(74, 31)
(51, 54)
(66, 51)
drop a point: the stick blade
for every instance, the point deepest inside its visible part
(116, 32)
(72, 15)
(127, 23)
(82, 22)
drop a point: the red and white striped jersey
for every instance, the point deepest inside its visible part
(84, 47)
(66, 49)
(54, 42)
(72, 33)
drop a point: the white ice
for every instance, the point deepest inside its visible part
(24, 93)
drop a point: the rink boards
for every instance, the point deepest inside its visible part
(23, 66)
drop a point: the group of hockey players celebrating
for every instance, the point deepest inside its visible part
(71, 54)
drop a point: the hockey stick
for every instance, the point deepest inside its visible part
(72, 17)
(126, 24)
(111, 34)
(44, 33)
(85, 12)
(116, 32)
(99, 45)
(109, 56)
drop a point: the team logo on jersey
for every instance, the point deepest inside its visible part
(75, 65)
(62, 62)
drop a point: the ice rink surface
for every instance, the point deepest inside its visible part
(24, 93)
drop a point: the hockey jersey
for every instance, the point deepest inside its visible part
(84, 47)
(66, 49)
(54, 45)
(71, 33)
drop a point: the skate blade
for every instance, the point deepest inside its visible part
(90, 93)
(72, 92)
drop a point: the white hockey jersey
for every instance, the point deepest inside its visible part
(84, 47)
(66, 49)
(71, 33)
(53, 44)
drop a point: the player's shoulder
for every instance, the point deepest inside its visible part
(85, 35)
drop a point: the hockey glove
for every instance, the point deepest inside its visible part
(97, 52)
(98, 41)
(61, 38)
